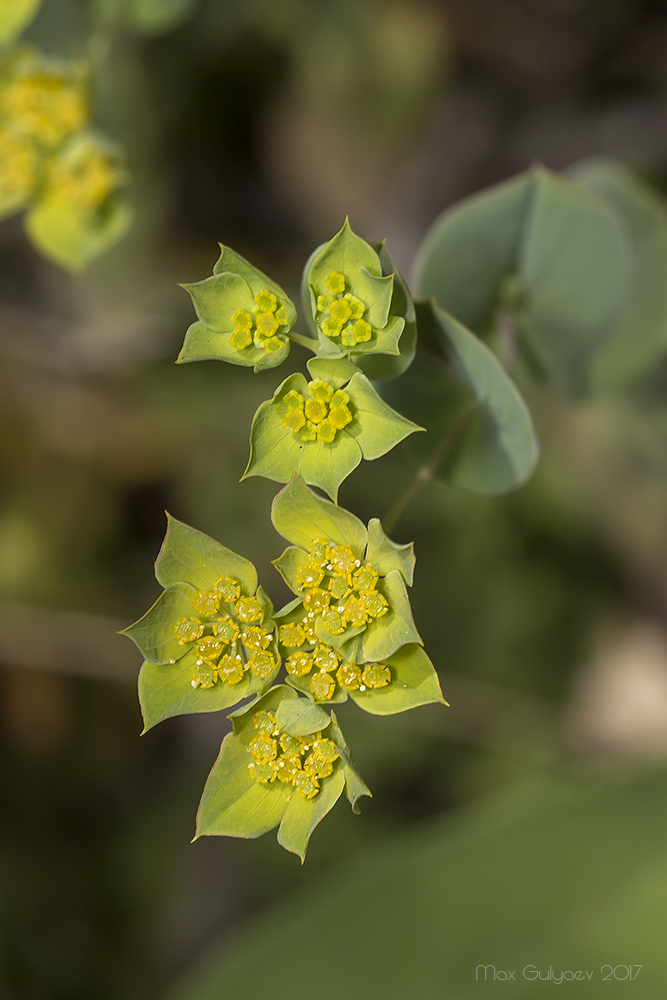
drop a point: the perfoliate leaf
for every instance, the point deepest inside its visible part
(190, 556)
(640, 336)
(300, 516)
(556, 258)
(153, 634)
(574, 270)
(385, 555)
(15, 15)
(413, 682)
(471, 248)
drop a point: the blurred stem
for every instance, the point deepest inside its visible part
(427, 471)
(508, 348)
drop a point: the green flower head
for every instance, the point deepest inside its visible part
(350, 584)
(209, 640)
(358, 303)
(285, 765)
(244, 317)
(321, 429)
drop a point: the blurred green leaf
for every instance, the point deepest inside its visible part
(640, 338)
(568, 875)
(555, 257)
(574, 269)
(74, 237)
(15, 15)
(146, 16)
(489, 442)
(471, 248)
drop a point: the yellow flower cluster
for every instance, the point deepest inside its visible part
(320, 416)
(300, 761)
(85, 178)
(326, 666)
(342, 593)
(220, 638)
(340, 314)
(261, 326)
(19, 162)
(45, 105)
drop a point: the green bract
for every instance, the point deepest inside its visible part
(286, 764)
(323, 428)
(209, 640)
(244, 317)
(351, 587)
(351, 299)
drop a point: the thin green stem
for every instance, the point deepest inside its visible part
(426, 472)
(308, 342)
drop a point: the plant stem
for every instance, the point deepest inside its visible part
(426, 472)
(308, 342)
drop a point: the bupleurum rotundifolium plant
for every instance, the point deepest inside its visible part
(213, 639)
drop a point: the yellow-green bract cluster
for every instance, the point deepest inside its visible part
(68, 177)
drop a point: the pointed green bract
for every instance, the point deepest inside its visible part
(300, 516)
(355, 786)
(166, 691)
(386, 555)
(413, 682)
(303, 815)
(349, 604)
(191, 556)
(153, 634)
(320, 430)
(349, 295)
(244, 316)
(300, 718)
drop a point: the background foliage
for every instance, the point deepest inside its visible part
(263, 124)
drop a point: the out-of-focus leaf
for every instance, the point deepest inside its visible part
(15, 15)
(567, 875)
(640, 338)
(471, 248)
(146, 16)
(574, 270)
(556, 256)
(493, 447)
